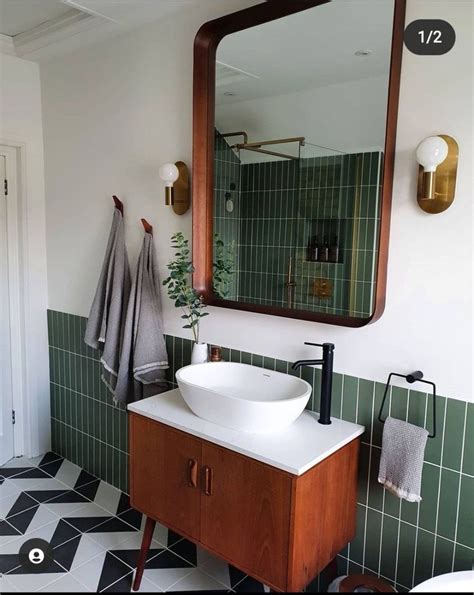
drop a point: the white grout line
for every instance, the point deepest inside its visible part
(460, 486)
(26, 468)
(418, 509)
(383, 497)
(87, 396)
(169, 587)
(342, 395)
(462, 473)
(115, 582)
(369, 474)
(357, 400)
(89, 436)
(439, 490)
(400, 505)
(412, 525)
(88, 357)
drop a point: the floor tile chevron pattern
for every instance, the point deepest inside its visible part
(95, 536)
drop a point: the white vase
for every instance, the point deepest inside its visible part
(199, 354)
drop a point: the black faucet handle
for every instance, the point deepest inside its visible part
(330, 345)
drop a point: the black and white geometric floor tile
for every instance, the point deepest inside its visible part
(95, 536)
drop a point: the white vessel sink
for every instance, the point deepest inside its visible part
(453, 582)
(243, 397)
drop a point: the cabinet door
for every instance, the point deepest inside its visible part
(164, 474)
(246, 513)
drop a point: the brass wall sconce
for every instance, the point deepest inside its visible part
(176, 179)
(438, 159)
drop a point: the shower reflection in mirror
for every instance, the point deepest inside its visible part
(298, 160)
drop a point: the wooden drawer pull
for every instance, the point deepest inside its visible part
(208, 480)
(192, 473)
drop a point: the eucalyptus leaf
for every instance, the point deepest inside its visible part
(179, 285)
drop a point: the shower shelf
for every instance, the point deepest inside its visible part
(328, 229)
(338, 263)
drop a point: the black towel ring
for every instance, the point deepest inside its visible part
(411, 378)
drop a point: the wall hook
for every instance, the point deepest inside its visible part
(118, 203)
(147, 227)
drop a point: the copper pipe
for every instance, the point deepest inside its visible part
(290, 284)
(277, 141)
(274, 153)
(240, 133)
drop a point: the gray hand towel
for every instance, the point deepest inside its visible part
(106, 321)
(144, 359)
(401, 461)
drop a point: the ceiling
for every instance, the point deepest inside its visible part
(42, 29)
(313, 48)
(19, 16)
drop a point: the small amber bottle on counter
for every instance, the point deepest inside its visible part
(216, 353)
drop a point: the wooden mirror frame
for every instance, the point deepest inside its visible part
(205, 48)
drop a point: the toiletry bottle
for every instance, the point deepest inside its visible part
(334, 251)
(314, 249)
(323, 251)
(309, 248)
(216, 353)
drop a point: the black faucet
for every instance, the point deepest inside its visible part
(326, 379)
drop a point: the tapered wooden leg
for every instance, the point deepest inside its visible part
(147, 535)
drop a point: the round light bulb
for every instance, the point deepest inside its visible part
(431, 152)
(169, 173)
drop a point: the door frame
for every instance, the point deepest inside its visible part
(31, 390)
(16, 310)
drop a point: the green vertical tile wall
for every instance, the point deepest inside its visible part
(339, 196)
(269, 192)
(403, 542)
(279, 205)
(87, 428)
(227, 224)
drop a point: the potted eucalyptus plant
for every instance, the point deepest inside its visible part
(185, 297)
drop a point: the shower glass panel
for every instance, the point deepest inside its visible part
(255, 220)
(296, 225)
(337, 230)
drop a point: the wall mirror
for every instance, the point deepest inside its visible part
(295, 107)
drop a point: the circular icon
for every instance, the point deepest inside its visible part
(36, 555)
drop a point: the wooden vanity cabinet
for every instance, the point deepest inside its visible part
(280, 528)
(161, 475)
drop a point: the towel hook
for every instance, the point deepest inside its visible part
(147, 227)
(411, 378)
(118, 203)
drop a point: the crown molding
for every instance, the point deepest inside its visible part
(55, 30)
(87, 10)
(6, 45)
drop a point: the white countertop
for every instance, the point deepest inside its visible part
(295, 450)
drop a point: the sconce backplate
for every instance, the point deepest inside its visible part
(182, 199)
(445, 183)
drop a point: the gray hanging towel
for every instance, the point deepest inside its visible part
(144, 358)
(104, 330)
(401, 460)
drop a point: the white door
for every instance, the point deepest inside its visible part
(6, 394)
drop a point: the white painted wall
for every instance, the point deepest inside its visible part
(21, 127)
(348, 117)
(113, 113)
